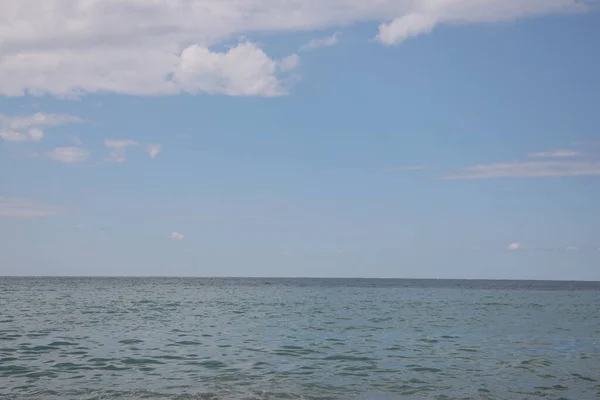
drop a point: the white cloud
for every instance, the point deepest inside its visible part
(406, 26)
(529, 169)
(118, 149)
(176, 236)
(69, 155)
(289, 63)
(27, 128)
(555, 154)
(424, 15)
(322, 42)
(80, 226)
(244, 70)
(36, 120)
(31, 135)
(406, 168)
(514, 246)
(159, 47)
(25, 208)
(153, 150)
(572, 248)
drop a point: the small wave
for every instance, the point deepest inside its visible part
(347, 358)
(131, 341)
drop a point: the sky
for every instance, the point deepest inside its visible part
(329, 138)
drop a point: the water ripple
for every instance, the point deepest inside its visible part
(95, 339)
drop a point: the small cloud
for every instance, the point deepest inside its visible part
(572, 248)
(287, 252)
(118, 149)
(32, 135)
(406, 168)
(515, 246)
(555, 154)
(77, 141)
(176, 236)
(322, 42)
(153, 150)
(27, 128)
(80, 226)
(405, 27)
(69, 155)
(289, 63)
(25, 208)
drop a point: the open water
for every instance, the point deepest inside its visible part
(187, 338)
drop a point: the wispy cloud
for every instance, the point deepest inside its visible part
(289, 63)
(28, 128)
(14, 207)
(529, 169)
(405, 168)
(31, 135)
(69, 155)
(118, 149)
(177, 236)
(153, 149)
(561, 153)
(322, 42)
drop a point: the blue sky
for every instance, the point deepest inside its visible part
(398, 139)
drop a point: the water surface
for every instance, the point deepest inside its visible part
(186, 338)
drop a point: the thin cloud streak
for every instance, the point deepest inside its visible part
(322, 42)
(406, 168)
(13, 207)
(562, 153)
(528, 169)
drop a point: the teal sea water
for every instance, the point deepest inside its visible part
(185, 338)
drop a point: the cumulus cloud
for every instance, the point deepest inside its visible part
(153, 149)
(176, 236)
(244, 70)
(28, 128)
(160, 47)
(562, 153)
(118, 149)
(529, 169)
(25, 208)
(322, 42)
(514, 246)
(69, 155)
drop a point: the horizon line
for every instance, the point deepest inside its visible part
(297, 277)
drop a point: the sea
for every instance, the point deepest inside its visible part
(230, 338)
